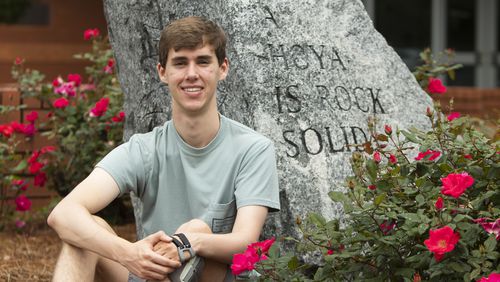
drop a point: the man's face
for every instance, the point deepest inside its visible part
(192, 76)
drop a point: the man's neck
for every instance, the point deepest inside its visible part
(198, 131)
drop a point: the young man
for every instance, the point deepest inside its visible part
(200, 174)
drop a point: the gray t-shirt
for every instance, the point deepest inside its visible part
(177, 182)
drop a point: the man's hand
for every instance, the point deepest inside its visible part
(144, 262)
(169, 250)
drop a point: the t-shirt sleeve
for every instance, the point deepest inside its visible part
(257, 180)
(128, 164)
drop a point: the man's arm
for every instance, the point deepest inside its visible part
(72, 220)
(221, 247)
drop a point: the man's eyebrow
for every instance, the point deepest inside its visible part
(204, 57)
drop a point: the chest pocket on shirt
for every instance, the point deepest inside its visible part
(220, 217)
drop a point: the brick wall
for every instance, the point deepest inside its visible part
(478, 102)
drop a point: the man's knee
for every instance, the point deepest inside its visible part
(195, 225)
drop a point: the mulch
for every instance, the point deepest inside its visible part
(31, 256)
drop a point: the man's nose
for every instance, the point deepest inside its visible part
(192, 72)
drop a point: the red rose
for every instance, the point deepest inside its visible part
(18, 61)
(35, 167)
(119, 117)
(32, 116)
(6, 130)
(376, 157)
(386, 226)
(439, 204)
(75, 78)
(40, 179)
(22, 203)
(436, 86)
(372, 187)
(494, 277)
(433, 155)
(455, 184)
(393, 159)
(388, 129)
(441, 241)
(329, 252)
(100, 108)
(60, 103)
(90, 33)
(452, 116)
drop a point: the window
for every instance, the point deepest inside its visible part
(24, 12)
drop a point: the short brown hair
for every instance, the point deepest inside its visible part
(190, 33)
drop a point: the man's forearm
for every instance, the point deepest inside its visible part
(76, 226)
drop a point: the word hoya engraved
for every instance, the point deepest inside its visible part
(304, 57)
(313, 141)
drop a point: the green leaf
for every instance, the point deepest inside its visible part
(420, 199)
(411, 217)
(337, 196)
(379, 199)
(410, 136)
(293, 263)
(20, 166)
(490, 243)
(317, 219)
(371, 167)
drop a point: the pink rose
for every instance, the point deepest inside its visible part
(22, 203)
(66, 88)
(100, 108)
(455, 184)
(436, 86)
(60, 103)
(376, 157)
(453, 115)
(490, 227)
(29, 130)
(18, 61)
(20, 223)
(91, 33)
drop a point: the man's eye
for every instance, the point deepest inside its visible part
(203, 62)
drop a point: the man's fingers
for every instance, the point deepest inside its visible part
(163, 261)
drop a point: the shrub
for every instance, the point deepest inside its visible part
(420, 205)
(83, 119)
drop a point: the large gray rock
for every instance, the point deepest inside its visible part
(306, 74)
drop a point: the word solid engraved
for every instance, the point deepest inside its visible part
(313, 141)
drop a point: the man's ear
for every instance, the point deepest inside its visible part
(161, 73)
(224, 69)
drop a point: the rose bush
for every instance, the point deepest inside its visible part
(421, 205)
(82, 117)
